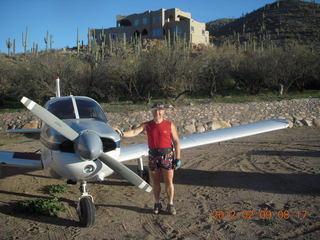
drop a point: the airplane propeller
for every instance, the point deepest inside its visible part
(88, 144)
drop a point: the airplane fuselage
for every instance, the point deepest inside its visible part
(59, 155)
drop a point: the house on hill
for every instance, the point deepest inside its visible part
(159, 24)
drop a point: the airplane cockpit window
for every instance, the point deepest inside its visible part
(62, 109)
(90, 109)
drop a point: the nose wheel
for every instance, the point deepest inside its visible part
(86, 208)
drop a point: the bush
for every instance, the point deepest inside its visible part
(167, 69)
(48, 207)
(52, 189)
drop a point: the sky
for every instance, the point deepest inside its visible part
(62, 18)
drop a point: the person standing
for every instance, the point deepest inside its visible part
(164, 153)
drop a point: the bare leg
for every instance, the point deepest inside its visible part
(168, 181)
(155, 175)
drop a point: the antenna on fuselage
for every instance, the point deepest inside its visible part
(57, 86)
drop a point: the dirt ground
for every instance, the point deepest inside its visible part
(223, 191)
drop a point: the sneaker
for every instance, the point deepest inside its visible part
(157, 208)
(171, 209)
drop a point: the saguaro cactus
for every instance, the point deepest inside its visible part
(25, 40)
(124, 40)
(35, 48)
(14, 46)
(78, 42)
(51, 41)
(89, 40)
(103, 43)
(46, 40)
(9, 45)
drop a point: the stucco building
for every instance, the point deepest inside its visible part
(155, 24)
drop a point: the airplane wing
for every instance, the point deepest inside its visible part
(133, 152)
(21, 159)
(198, 139)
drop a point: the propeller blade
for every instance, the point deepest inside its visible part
(125, 172)
(50, 119)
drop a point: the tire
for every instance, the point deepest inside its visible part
(87, 212)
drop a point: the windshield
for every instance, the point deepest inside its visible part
(90, 109)
(62, 109)
(87, 108)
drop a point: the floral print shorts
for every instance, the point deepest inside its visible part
(163, 161)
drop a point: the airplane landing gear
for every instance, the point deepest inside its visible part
(144, 174)
(85, 209)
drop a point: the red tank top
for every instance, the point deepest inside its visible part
(159, 135)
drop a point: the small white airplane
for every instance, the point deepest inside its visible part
(78, 144)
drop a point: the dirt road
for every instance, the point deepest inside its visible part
(223, 191)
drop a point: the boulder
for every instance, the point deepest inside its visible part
(190, 128)
(214, 125)
(290, 123)
(298, 123)
(201, 129)
(31, 125)
(306, 122)
(316, 122)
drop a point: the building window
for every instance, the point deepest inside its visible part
(203, 33)
(145, 21)
(177, 30)
(192, 29)
(156, 19)
(136, 22)
(114, 36)
(156, 32)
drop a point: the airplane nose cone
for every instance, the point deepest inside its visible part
(88, 145)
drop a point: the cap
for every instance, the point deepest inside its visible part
(158, 106)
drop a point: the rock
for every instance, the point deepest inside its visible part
(235, 124)
(201, 129)
(31, 125)
(190, 128)
(134, 126)
(290, 123)
(170, 106)
(298, 123)
(214, 125)
(306, 122)
(298, 112)
(316, 122)
(198, 124)
(297, 118)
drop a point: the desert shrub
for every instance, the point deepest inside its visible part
(252, 72)
(293, 66)
(166, 69)
(41, 206)
(6, 68)
(215, 68)
(53, 189)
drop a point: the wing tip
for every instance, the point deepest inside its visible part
(24, 99)
(148, 189)
(282, 120)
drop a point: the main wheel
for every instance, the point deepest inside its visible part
(86, 212)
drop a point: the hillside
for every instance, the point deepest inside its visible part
(281, 22)
(216, 25)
